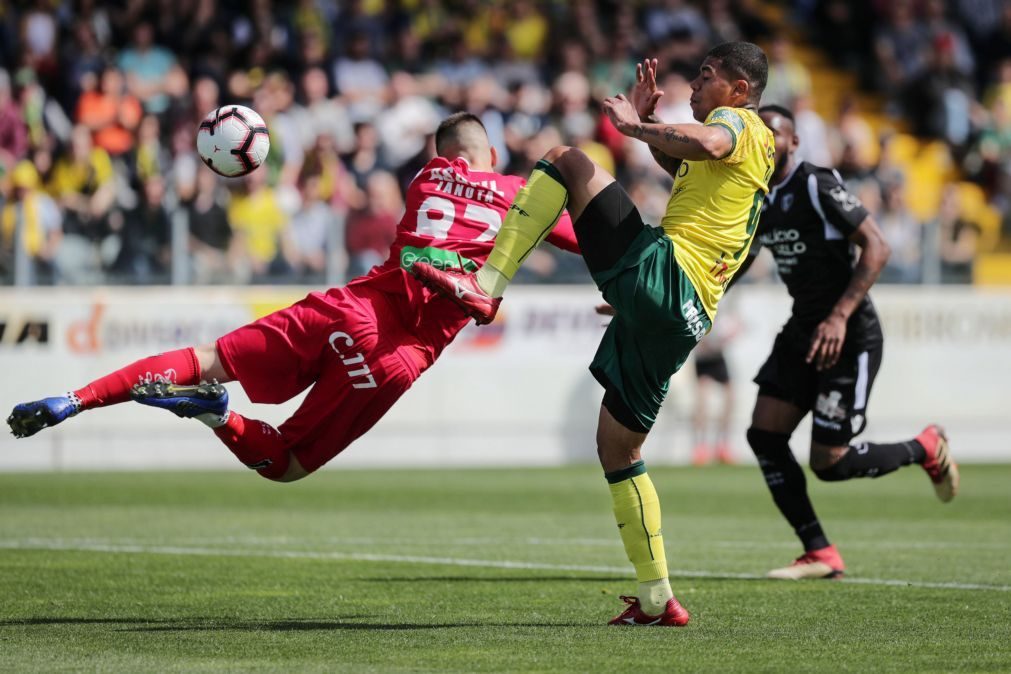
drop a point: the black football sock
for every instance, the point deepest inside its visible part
(871, 459)
(788, 485)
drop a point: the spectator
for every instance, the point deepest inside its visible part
(30, 225)
(957, 240)
(111, 114)
(323, 115)
(788, 78)
(372, 228)
(899, 46)
(152, 158)
(365, 159)
(526, 30)
(144, 235)
(940, 28)
(403, 126)
(47, 123)
(360, 79)
(82, 57)
(310, 234)
(260, 231)
(210, 233)
(813, 133)
(83, 184)
(939, 99)
(903, 233)
(13, 131)
(147, 68)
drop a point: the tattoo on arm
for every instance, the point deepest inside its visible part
(671, 135)
(667, 163)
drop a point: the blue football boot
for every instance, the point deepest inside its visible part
(189, 402)
(29, 418)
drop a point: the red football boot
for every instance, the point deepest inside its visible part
(674, 615)
(725, 455)
(943, 471)
(462, 289)
(820, 563)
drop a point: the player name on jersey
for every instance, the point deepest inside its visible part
(449, 181)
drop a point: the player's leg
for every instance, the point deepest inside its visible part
(841, 414)
(658, 322)
(637, 512)
(184, 367)
(337, 411)
(773, 422)
(787, 388)
(564, 178)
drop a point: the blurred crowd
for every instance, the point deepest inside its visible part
(100, 102)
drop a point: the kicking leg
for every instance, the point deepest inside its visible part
(185, 367)
(637, 512)
(564, 178)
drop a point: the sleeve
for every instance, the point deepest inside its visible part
(834, 203)
(731, 120)
(564, 235)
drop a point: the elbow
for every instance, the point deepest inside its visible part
(715, 149)
(884, 251)
(715, 145)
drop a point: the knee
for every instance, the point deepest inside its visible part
(828, 464)
(767, 444)
(288, 471)
(560, 153)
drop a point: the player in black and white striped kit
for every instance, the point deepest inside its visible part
(826, 357)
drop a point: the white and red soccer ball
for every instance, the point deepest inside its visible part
(233, 140)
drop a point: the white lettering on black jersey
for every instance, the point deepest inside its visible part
(806, 223)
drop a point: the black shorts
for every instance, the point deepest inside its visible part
(836, 397)
(714, 367)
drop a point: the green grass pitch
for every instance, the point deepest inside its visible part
(489, 570)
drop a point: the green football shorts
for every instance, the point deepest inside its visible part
(659, 320)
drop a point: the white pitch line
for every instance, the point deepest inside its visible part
(533, 541)
(84, 546)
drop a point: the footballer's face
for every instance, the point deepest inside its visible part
(713, 88)
(785, 136)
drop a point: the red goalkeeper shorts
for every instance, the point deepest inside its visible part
(358, 347)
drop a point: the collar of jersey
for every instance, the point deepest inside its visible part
(786, 181)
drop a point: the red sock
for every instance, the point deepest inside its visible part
(256, 444)
(178, 367)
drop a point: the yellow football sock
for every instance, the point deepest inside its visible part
(533, 214)
(637, 511)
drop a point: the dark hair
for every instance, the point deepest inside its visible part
(448, 130)
(778, 110)
(745, 61)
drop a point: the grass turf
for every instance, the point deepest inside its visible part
(476, 571)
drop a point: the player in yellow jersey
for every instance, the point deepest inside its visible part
(663, 283)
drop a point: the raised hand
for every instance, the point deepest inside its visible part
(644, 94)
(622, 114)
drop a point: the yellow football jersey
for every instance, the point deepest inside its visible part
(714, 205)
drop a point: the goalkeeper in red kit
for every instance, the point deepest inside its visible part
(359, 347)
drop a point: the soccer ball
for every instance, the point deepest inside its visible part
(233, 140)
